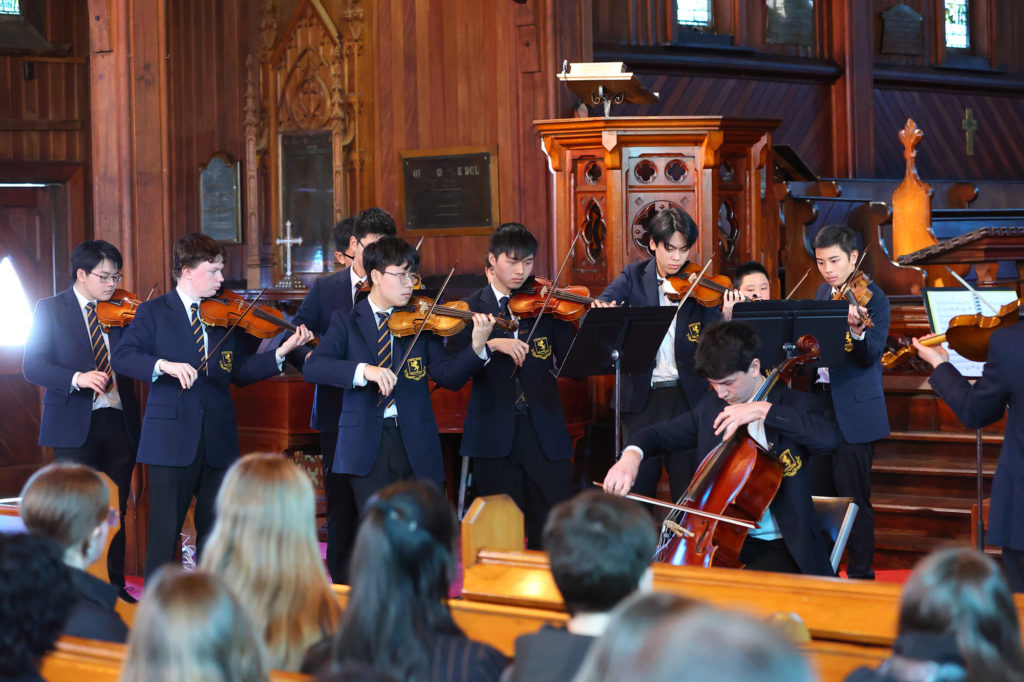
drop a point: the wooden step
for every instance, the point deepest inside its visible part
(936, 517)
(902, 550)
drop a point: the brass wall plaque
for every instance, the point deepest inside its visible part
(791, 22)
(220, 212)
(450, 191)
(902, 31)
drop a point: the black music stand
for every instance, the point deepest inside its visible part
(778, 323)
(617, 341)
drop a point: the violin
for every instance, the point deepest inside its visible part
(733, 485)
(968, 335)
(567, 303)
(118, 311)
(260, 321)
(446, 320)
(708, 290)
(856, 291)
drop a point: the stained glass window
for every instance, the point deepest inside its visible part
(958, 34)
(693, 12)
(10, 6)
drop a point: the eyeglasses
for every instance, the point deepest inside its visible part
(113, 517)
(108, 279)
(406, 277)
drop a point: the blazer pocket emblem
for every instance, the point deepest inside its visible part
(540, 348)
(849, 343)
(414, 369)
(226, 356)
(693, 332)
(790, 463)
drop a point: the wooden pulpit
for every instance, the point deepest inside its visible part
(613, 173)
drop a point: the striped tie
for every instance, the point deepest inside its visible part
(99, 346)
(384, 351)
(197, 334)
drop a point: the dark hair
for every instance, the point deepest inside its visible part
(749, 268)
(836, 235)
(36, 596)
(599, 547)
(402, 564)
(513, 240)
(193, 249)
(373, 221)
(389, 251)
(342, 233)
(725, 348)
(961, 592)
(668, 221)
(89, 254)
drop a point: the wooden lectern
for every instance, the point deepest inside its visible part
(613, 173)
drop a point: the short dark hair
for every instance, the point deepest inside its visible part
(512, 239)
(668, 221)
(36, 596)
(374, 220)
(725, 348)
(836, 235)
(342, 233)
(389, 251)
(193, 249)
(749, 268)
(599, 547)
(91, 253)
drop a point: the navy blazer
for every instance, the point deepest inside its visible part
(638, 286)
(58, 346)
(490, 415)
(328, 295)
(1000, 385)
(798, 424)
(856, 386)
(351, 339)
(171, 424)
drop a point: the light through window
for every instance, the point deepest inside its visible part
(958, 35)
(693, 12)
(14, 307)
(10, 7)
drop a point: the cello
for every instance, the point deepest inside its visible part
(737, 480)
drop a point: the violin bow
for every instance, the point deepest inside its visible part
(420, 243)
(551, 291)
(430, 312)
(678, 507)
(695, 284)
(974, 291)
(856, 269)
(206, 361)
(793, 290)
(153, 290)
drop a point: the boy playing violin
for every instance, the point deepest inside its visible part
(515, 430)
(386, 429)
(189, 435)
(788, 424)
(671, 387)
(90, 414)
(856, 391)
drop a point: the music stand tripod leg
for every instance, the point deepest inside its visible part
(463, 478)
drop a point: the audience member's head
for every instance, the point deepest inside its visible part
(600, 549)
(68, 503)
(264, 546)
(190, 628)
(961, 593)
(609, 657)
(402, 565)
(352, 671)
(707, 644)
(35, 598)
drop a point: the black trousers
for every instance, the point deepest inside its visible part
(767, 555)
(392, 465)
(1013, 568)
(847, 473)
(342, 514)
(662, 404)
(535, 483)
(171, 490)
(108, 449)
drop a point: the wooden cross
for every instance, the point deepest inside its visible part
(289, 281)
(970, 124)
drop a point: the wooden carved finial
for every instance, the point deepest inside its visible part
(910, 136)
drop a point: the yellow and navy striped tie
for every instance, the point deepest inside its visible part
(99, 345)
(384, 351)
(197, 334)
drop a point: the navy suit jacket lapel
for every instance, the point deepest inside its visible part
(343, 289)
(74, 321)
(366, 322)
(649, 280)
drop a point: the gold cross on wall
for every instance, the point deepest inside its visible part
(970, 124)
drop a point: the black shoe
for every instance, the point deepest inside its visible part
(125, 595)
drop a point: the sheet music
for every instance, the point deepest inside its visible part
(943, 304)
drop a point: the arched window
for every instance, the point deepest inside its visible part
(10, 7)
(14, 307)
(958, 29)
(695, 13)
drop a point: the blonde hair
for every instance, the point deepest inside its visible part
(264, 546)
(190, 628)
(65, 502)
